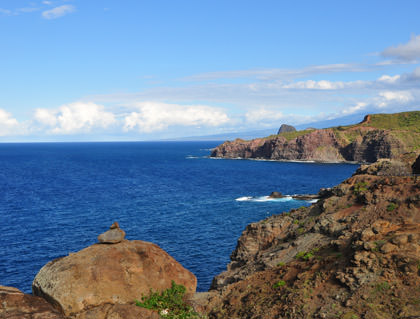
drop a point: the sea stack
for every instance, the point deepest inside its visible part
(284, 128)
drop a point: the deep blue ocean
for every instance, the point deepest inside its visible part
(56, 198)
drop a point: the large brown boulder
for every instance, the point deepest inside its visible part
(14, 304)
(109, 275)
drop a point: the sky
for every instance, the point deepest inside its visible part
(108, 70)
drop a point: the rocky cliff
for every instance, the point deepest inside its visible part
(353, 254)
(378, 136)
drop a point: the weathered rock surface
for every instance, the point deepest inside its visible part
(112, 236)
(102, 275)
(386, 167)
(14, 304)
(318, 145)
(365, 142)
(284, 128)
(353, 254)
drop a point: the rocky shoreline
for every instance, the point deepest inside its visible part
(355, 253)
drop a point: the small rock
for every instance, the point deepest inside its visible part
(113, 236)
(276, 195)
(387, 248)
(114, 225)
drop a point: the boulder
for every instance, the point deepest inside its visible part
(286, 128)
(14, 304)
(102, 275)
(113, 236)
(276, 195)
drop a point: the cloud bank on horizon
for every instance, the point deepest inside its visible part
(217, 101)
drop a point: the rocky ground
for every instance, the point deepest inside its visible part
(353, 254)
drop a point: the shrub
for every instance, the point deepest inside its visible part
(360, 187)
(391, 207)
(170, 303)
(279, 284)
(304, 255)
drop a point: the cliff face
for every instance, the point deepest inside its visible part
(376, 137)
(353, 254)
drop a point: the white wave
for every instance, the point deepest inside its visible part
(263, 199)
(244, 199)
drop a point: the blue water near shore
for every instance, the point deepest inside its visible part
(56, 198)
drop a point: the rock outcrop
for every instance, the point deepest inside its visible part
(102, 275)
(353, 254)
(284, 128)
(378, 136)
(14, 304)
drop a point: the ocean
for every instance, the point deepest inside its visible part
(56, 198)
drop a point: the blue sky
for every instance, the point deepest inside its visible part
(144, 70)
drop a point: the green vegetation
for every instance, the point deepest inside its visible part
(292, 135)
(391, 207)
(281, 264)
(382, 287)
(170, 303)
(360, 187)
(303, 255)
(279, 284)
(399, 121)
(378, 245)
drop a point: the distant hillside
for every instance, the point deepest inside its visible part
(377, 136)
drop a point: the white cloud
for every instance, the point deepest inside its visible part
(360, 106)
(389, 79)
(271, 74)
(47, 2)
(75, 117)
(27, 9)
(8, 124)
(394, 97)
(58, 12)
(407, 52)
(263, 114)
(5, 11)
(156, 116)
(315, 85)
(46, 117)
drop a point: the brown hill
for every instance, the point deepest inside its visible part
(378, 136)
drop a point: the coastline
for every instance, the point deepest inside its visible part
(288, 161)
